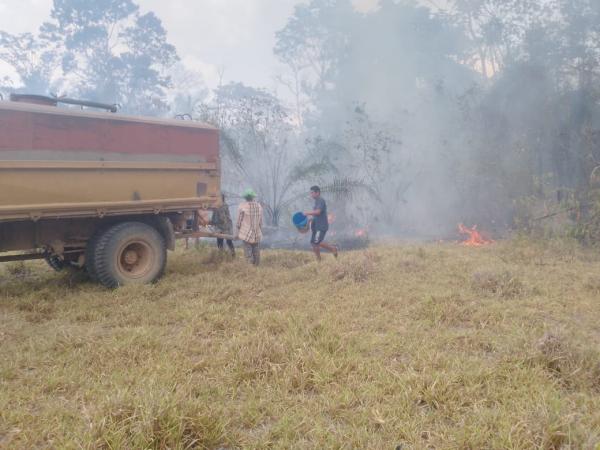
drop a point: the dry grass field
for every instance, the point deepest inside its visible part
(432, 346)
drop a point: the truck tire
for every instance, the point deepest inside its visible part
(90, 251)
(129, 253)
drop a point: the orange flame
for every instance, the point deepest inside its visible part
(475, 239)
(331, 218)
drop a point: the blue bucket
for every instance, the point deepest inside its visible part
(300, 221)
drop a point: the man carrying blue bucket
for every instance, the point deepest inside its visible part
(319, 224)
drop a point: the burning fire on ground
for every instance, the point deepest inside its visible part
(475, 239)
(360, 233)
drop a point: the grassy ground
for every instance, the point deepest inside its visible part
(432, 346)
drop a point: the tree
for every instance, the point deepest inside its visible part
(101, 50)
(188, 90)
(312, 42)
(533, 128)
(34, 60)
(497, 29)
(400, 63)
(260, 146)
(364, 163)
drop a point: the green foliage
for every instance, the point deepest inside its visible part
(465, 101)
(346, 188)
(259, 145)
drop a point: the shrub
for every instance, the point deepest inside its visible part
(573, 366)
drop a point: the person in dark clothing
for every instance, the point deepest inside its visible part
(319, 224)
(221, 220)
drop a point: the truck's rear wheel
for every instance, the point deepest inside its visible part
(128, 253)
(90, 251)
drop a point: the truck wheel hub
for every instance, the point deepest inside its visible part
(130, 257)
(136, 259)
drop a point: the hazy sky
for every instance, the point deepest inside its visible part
(237, 35)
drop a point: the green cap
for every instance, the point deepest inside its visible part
(249, 193)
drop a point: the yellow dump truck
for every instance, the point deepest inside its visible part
(99, 190)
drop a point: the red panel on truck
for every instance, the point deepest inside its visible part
(35, 129)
